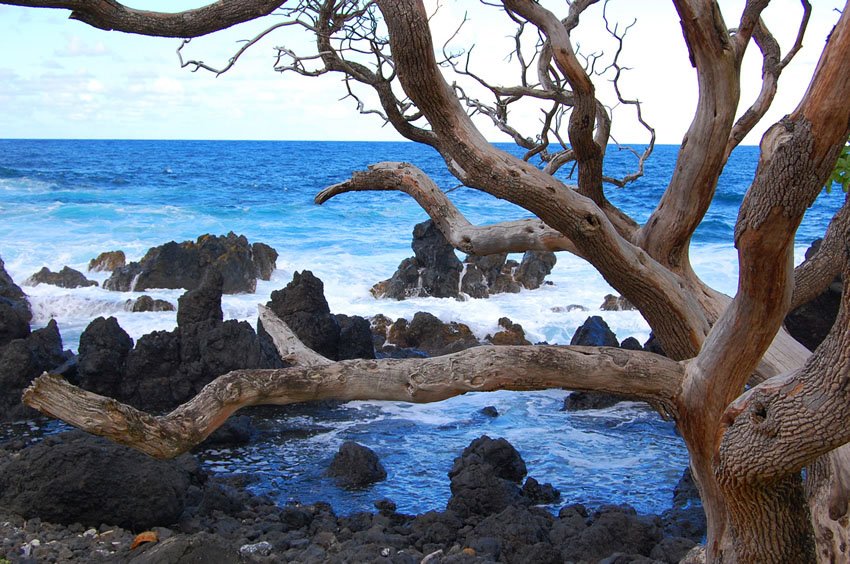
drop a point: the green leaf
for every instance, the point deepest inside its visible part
(841, 173)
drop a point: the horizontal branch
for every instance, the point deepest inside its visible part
(507, 237)
(113, 16)
(635, 374)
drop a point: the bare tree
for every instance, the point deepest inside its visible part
(754, 407)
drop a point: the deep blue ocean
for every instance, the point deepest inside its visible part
(62, 202)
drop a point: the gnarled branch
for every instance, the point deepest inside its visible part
(639, 375)
(507, 237)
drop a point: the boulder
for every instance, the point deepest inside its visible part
(15, 313)
(485, 478)
(594, 332)
(65, 278)
(631, 344)
(653, 345)
(428, 334)
(22, 360)
(356, 466)
(78, 478)
(519, 534)
(147, 303)
(234, 432)
(107, 261)
(183, 265)
(511, 334)
(534, 268)
(440, 267)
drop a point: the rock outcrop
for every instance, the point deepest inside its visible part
(65, 278)
(184, 265)
(427, 334)
(435, 271)
(24, 354)
(486, 478)
(146, 303)
(303, 307)
(166, 368)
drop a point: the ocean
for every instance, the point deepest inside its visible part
(62, 202)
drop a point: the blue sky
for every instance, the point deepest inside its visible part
(63, 79)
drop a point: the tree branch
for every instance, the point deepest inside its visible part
(110, 15)
(815, 274)
(633, 374)
(507, 237)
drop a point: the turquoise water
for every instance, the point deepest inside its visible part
(64, 202)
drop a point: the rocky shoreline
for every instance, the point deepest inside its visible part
(119, 511)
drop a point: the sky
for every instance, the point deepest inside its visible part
(63, 79)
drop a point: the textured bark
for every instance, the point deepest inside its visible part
(112, 16)
(639, 375)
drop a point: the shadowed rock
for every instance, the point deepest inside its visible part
(15, 313)
(78, 478)
(811, 322)
(147, 303)
(428, 334)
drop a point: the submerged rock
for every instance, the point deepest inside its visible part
(435, 271)
(183, 265)
(65, 278)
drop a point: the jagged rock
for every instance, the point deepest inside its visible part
(810, 322)
(107, 261)
(534, 268)
(616, 303)
(15, 313)
(485, 478)
(183, 265)
(436, 271)
(594, 332)
(65, 278)
(511, 334)
(78, 478)
(188, 549)
(21, 360)
(303, 307)
(102, 356)
(428, 334)
(356, 466)
(519, 534)
(166, 368)
(147, 303)
(380, 326)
